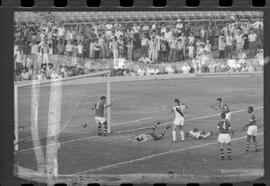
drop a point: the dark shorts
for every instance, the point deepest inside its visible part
(154, 136)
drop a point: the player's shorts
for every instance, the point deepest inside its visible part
(224, 138)
(228, 116)
(154, 136)
(100, 120)
(179, 121)
(252, 130)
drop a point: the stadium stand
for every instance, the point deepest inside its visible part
(136, 43)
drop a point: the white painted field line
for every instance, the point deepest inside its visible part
(133, 130)
(86, 138)
(156, 155)
(131, 121)
(116, 124)
(192, 119)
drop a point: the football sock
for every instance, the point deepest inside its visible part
(247, 146)
(221, 153)
(182, 135)
(229, 151)
(174, 135)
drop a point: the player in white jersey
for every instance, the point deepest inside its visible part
(196, 134)
(178, 110)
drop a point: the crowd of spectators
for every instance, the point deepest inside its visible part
(147, 43)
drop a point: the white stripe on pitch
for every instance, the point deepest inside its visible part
(132, 130)
(131, 121)
(155, 155)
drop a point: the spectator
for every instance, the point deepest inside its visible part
(25, 75)
(180, 50)
(221, 46)
(252, 38)
(130, 51)
(172, 54)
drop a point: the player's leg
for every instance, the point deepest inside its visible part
(155, 126)
(255, 143)
(254, 138)
(229, 150)
(174, 132)
(221, 152)
(181, 130)
(163, 132)
(228, 116)
(249, 134)
(105, 128)
(99, 125)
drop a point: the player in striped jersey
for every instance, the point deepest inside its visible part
(223, 108)
(251, 129)
(100, 119)
(178, 110)
(151, 135)
(224, 128)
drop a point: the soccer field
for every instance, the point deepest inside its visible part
(137, 105)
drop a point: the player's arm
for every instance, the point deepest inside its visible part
(217, 130)
(94, 107)
(107, 106)
(230, 129)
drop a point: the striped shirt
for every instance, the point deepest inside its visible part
(224, 108)
(99, 109)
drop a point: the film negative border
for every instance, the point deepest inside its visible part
(134, 3)
(115, 5)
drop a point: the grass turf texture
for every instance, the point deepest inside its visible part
(89, 154)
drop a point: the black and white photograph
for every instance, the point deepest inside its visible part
(115, 97)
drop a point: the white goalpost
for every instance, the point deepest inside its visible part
(47, 161)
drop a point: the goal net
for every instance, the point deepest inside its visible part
(49, 111)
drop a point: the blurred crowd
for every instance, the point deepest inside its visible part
(147, 42)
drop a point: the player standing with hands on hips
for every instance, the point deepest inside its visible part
(100, 119)
(178, 110)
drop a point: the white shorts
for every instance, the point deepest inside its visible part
(228, 116)
(252, 130)
(100, 120)
(179, 121)
(224, 138)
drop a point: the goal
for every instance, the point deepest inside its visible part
(62, 98)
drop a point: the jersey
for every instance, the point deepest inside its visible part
(99, 108)
(195, 133)
(179, 111)
(224, 126)
(252, 119)
(224, 108)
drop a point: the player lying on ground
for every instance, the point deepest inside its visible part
(99, 115)
(196, 134)
(151, 135)
(224, 138)
(223, 108)
(178, 110)
(251, 129)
